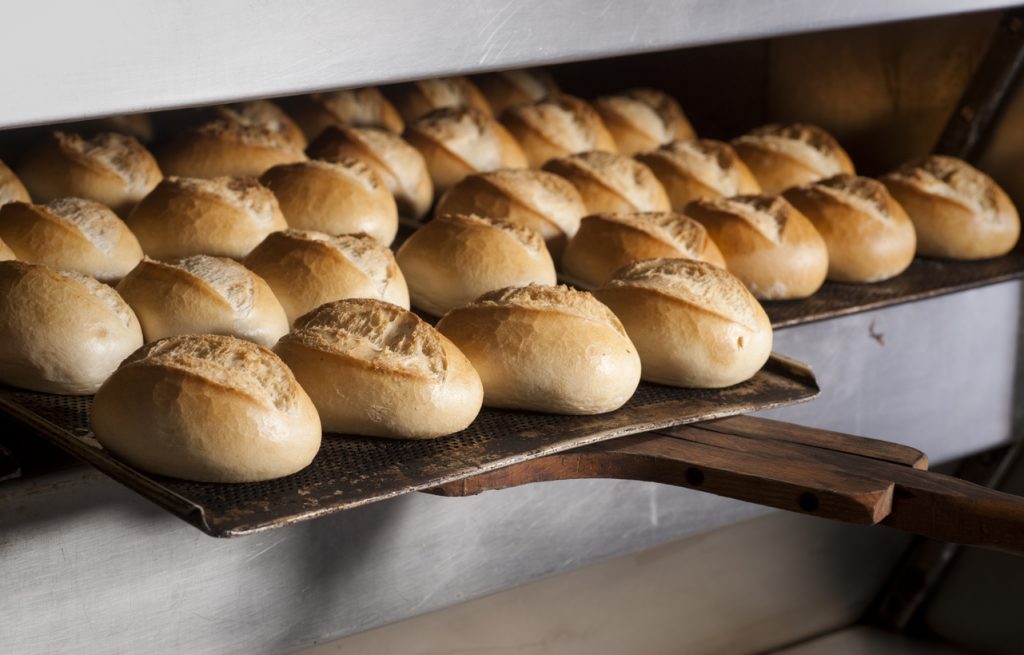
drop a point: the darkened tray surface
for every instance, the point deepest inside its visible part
(926, 278)
(352, 471)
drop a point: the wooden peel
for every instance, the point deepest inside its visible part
(827, 474)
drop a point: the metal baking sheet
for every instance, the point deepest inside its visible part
(352, 471)
(925, 278)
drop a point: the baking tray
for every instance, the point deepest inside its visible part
(353, 471)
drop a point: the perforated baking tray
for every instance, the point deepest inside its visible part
(352, 471)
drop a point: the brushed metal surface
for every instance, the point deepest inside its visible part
(122, 56)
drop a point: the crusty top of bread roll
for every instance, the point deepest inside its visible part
(226, 147)
(267, 115)
(863, 194)
(787, 155)
(954, 180)
(556, 298)
(699, 168)
(641, 119)
(117, 153)
(73, 234)
(11, 188)
(506, 89)
(417, 99)
(366, 107)
(767, 215)
(609, 182)
(556, 127)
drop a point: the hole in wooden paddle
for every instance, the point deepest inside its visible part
(694, 476)
(808, 501)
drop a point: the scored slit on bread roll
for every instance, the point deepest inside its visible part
(203, 295)
(868, 234)
(222, 216)
(958, 211)
(643, 119)
(456, 142)
(607, 242)
(400, 166)
(207, 408)
(113, 169)
(375, 369)
(612, 183)
(265, 115)
(227, 148)
(693, 324)
(11, 188)
(365, 107)
(307, 269)
(557, 127)
(699, 168)
(506, 89)
(783, 156)
(61, 332)
(767, 243)
(455, 258)
(71, 234)
(342, 197)
(546, 348)
(414, 100)
(539, 200)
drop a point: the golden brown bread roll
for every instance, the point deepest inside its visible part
(207, 408)
(767, 243)
(506, 89)
(693, 324)
(414, 100)
(222, 216)
(374, 368)
(307, 269)
(366, 107)
(456, 142)
(869, 236)
(11, 188)
(783, 156)
(61, 332)
(612, 183)
(643, 119)
(547, 349)
(607, 242)
(227, 148)
(958, 211)
(455, 258)
(699, 168)
(203, 295)
(400, 166)
(342, 197)
(265, 115)
(539, 200)
(113, 169)
(557, 127)
(71, 234)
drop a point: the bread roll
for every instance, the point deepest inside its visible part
(607, 242)
(783, 156)
(693, 324)
(6, 253)
(207, 408)
(110, 168)
(11, 188)
(958, 211)
(308, 269)
(506, 89)
(541, 201)
(71, 234)
(643, 119)
(61, 332)
(557, 127)
(767, 243)
(342, 197)
(612, 183)
(455, 258)
(374, 368)
(868, 235)
(223, 216)
(203, 295)
(699, 168)
(400, 166)
(139, 126)
(266, 115)
(415, 100)
(228, 148)
(366, 107)
(456, 142)
(547, 349)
